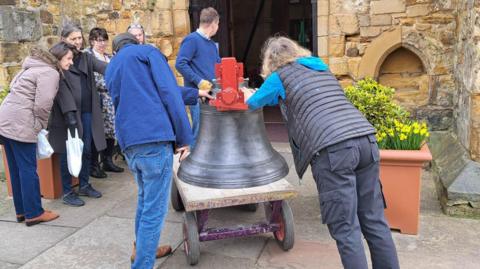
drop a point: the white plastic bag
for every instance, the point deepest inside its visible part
(44, 150)
(74, 153)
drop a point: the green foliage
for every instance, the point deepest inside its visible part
(3, 93)
(394, 128)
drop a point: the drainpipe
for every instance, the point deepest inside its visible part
(314, 28)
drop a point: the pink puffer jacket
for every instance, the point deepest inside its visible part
(26, 109)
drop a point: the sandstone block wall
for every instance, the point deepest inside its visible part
(467, 76)
(24, 23)
(406, 44)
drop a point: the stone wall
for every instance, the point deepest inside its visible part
(429, 51)
(467, 62)
(356, 37)
(24, 23)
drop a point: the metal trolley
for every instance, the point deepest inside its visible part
(198, 201)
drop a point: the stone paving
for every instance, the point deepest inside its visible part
(100, 234)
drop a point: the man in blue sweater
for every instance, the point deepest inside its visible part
(150, 121)
(197, 58)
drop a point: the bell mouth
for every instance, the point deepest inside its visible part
(233, 176)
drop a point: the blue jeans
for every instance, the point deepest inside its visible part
(151, 164)
(195, 114)
(22, 164)
(84, 175)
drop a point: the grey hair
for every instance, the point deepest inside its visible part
(71, 27)
(279, 51)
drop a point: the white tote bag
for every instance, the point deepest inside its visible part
(44, 149)
(74, 153)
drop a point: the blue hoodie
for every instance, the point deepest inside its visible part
(272, 88)
(148, 102)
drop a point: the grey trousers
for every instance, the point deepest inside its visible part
(352, 203)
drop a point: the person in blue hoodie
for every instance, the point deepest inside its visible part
(328, 133)
(150, 123)
(196, 60)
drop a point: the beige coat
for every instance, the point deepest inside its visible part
(26, 109)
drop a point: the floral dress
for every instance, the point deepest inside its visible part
(106, 103)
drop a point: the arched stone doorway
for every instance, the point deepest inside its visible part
(401, 65)
(403, 70)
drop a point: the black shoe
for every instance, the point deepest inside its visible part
(72, 199)
(97, 172)
(20, 218)
(89, 191)
(109, 166)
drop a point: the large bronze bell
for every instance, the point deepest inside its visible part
(232, 149)
(232, 152)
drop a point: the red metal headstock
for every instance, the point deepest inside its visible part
(229, 74)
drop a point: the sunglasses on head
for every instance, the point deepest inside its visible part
(135, 26)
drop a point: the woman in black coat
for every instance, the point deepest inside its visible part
(77, 106)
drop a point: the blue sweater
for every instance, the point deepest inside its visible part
(196, 59)
(147, 100)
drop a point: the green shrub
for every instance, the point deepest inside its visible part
(394, 128)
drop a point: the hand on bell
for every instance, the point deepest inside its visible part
(205, 85)
(205, 94)
(247, 92)
(184, 152)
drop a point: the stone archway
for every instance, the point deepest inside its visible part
(404, 70)
(377, 51)
(400, 65)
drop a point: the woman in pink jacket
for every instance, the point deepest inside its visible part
(23, 113)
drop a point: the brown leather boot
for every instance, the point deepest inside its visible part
(45, 217)
(162, 251)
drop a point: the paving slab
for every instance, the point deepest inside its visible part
(208, 261)
(305, 254)
(246, 247)
(20, 243)
(127, 209)
(6, 204)
(114, 190)
(100, 234)
(104, 243)
(440, 235)
(433, 261)
(6, 265)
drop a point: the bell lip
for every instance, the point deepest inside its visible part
(232, 183)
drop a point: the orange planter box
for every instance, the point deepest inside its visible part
(49, 173)
(400, 174)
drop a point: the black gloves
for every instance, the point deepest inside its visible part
(71, 121)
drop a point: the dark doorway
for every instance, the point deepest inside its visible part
(245, 25)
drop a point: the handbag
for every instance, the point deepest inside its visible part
(74, 153)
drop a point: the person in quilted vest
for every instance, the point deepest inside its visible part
(328, 133)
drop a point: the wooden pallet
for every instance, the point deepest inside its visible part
(198, 198)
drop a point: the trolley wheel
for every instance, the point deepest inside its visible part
(285, 236)
(191, 239)
(175, 198)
